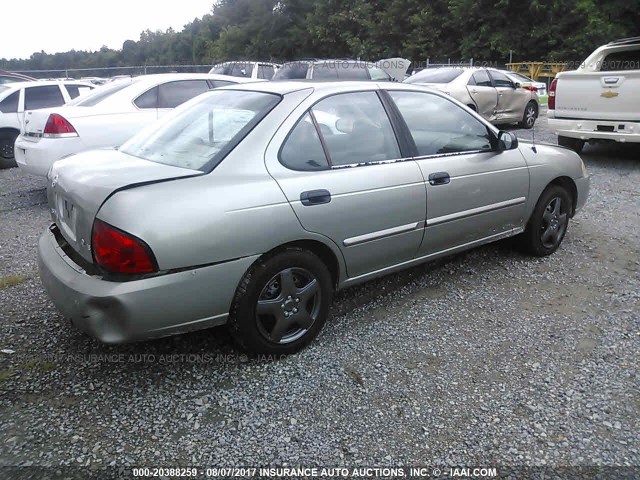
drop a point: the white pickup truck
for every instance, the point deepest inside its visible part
(600, 101)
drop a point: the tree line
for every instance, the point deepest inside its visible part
(280, 30)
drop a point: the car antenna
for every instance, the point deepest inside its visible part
(533, 138)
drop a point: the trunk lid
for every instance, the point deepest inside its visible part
(598, 95)
(79, 185)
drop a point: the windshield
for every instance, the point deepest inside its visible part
(435, 75)
(101, 93)
(202, 132)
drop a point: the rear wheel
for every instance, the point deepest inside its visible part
(281, 303)
(7, 140)
(574, 144)
(530, 115)
(548, 223)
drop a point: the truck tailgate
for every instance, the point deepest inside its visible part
(599, 95)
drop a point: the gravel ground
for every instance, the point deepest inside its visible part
(487, 358)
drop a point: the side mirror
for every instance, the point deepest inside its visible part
(517, 85)
(506, 141)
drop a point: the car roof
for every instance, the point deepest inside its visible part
(284, 87)
(261, 62)
(162, 77)
(37, 83)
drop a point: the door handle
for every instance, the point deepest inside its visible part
(439, 178)
(315, 197)
(474, 91)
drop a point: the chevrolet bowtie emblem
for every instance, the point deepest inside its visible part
(609, 94)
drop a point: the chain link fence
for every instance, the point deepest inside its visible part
(109, 72)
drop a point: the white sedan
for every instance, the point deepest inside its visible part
(107, 117)
(17, 97)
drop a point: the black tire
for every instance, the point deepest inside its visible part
(529, 116)
(574, 144)
(549, 222)
(7, 139)
(294, 289)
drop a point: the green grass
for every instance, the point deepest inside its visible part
(12, 280)
(6, 374)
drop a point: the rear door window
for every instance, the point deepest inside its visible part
(501, 81)
(356, 129)
(481, 79)
(172, 94)
(42, 97)
(10, 104)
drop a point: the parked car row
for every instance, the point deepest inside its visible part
(116, 111)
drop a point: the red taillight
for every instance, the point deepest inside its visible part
(119, 252)
(552, 94)
(531, 88)
(58, 126)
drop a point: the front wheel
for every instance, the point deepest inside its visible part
(548, 223)
(7, 140)
(529, 116)
(281, 303)
(574, 144)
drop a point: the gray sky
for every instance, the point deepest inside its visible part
(36, 25)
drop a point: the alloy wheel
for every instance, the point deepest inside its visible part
(288, 305)
(554, 223)
(530, 116)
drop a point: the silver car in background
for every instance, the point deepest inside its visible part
(488, 91)
(250, 205)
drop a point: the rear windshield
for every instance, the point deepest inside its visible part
(435, 75)
(101, 93)
(292, 71)
(201, 133)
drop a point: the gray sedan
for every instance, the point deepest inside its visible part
(250, 205)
